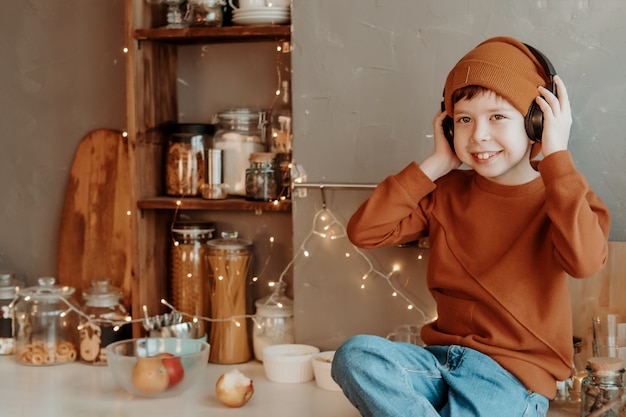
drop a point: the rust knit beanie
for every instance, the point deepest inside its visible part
(505, 66)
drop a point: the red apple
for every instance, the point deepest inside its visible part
(173, 366)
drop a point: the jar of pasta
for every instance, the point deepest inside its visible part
(45, 320)
(8, 291)
(184, 161)
(229, 261)
(188, 280)
(106, 323)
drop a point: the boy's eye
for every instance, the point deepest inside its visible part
(498, 117)
(464, 119)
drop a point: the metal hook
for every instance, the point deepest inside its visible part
(323, 196)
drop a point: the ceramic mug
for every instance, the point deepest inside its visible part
(408, 333)
(246, 4)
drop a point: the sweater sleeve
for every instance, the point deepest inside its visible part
(395, 213)
(580, 221)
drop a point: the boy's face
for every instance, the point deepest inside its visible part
(490, 137)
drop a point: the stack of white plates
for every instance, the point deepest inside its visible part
(251, 16)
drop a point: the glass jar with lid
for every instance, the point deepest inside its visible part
(9, 288)
(107, 315)
(229, 260)
(273, 320)
(603, 388)
(45, 324)
(260, 177)
(207, 13)
(184, 161)
(240, 132)
(188, 274)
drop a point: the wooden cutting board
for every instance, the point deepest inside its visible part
(95, 240)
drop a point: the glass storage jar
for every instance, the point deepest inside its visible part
(184, 161)
(260, 177)
(240, 132)
(107, 315)
(603, 388)
(9, 288)
(273, 320)
(45, 324)
(208, 13)
(188, 279)
(229, 261)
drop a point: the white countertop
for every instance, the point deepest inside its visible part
(79, 390)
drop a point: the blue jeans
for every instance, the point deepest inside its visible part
(384, 378)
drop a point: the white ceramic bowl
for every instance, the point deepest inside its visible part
(321, 369)
(289, 363)
(123, 356)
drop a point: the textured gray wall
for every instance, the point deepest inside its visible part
(368, 78)
(61, 75)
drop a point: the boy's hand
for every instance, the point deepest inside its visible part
(557, 118)
(443, 160)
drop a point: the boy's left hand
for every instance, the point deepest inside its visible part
(557, 118)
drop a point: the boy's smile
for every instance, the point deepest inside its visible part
(490, 137)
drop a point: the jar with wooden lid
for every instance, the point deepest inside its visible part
(106, 323)
(46, 324)
(602, 389)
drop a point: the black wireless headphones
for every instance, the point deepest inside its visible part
(533, 121)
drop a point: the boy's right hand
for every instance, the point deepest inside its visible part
(443, 159)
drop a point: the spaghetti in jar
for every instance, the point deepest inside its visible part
(188, 279)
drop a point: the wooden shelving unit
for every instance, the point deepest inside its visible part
(152, 103)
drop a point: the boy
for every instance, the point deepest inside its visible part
(503, 235)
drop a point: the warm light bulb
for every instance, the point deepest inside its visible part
(306, 253)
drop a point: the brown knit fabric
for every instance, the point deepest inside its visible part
(503, 65)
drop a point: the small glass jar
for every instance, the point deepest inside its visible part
(273, 320)
(208, 13)
(240, 133)
(9, 288)
(603, 387)
(188, 279)
(45, 324)
(106, 325)
(260, 177)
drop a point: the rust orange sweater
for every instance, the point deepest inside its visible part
(498, 259)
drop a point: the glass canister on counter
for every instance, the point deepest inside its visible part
(184, 161)
(273, 320)
(602, 389)
(188, 274)
(45, 324)
(261, 178)
(9, 288)
(229, 261)
(240, 132)
(107, 315)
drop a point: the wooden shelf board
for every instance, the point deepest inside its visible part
(196, 203)
(215, 34)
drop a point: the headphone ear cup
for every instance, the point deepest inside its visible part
(534, 122)
(448, 130)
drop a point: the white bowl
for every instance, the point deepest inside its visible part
(289, 363)
(322, 363)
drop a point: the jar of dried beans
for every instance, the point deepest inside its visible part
(8, 291)
(45, 320)
(188, 280)
(602, 389)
